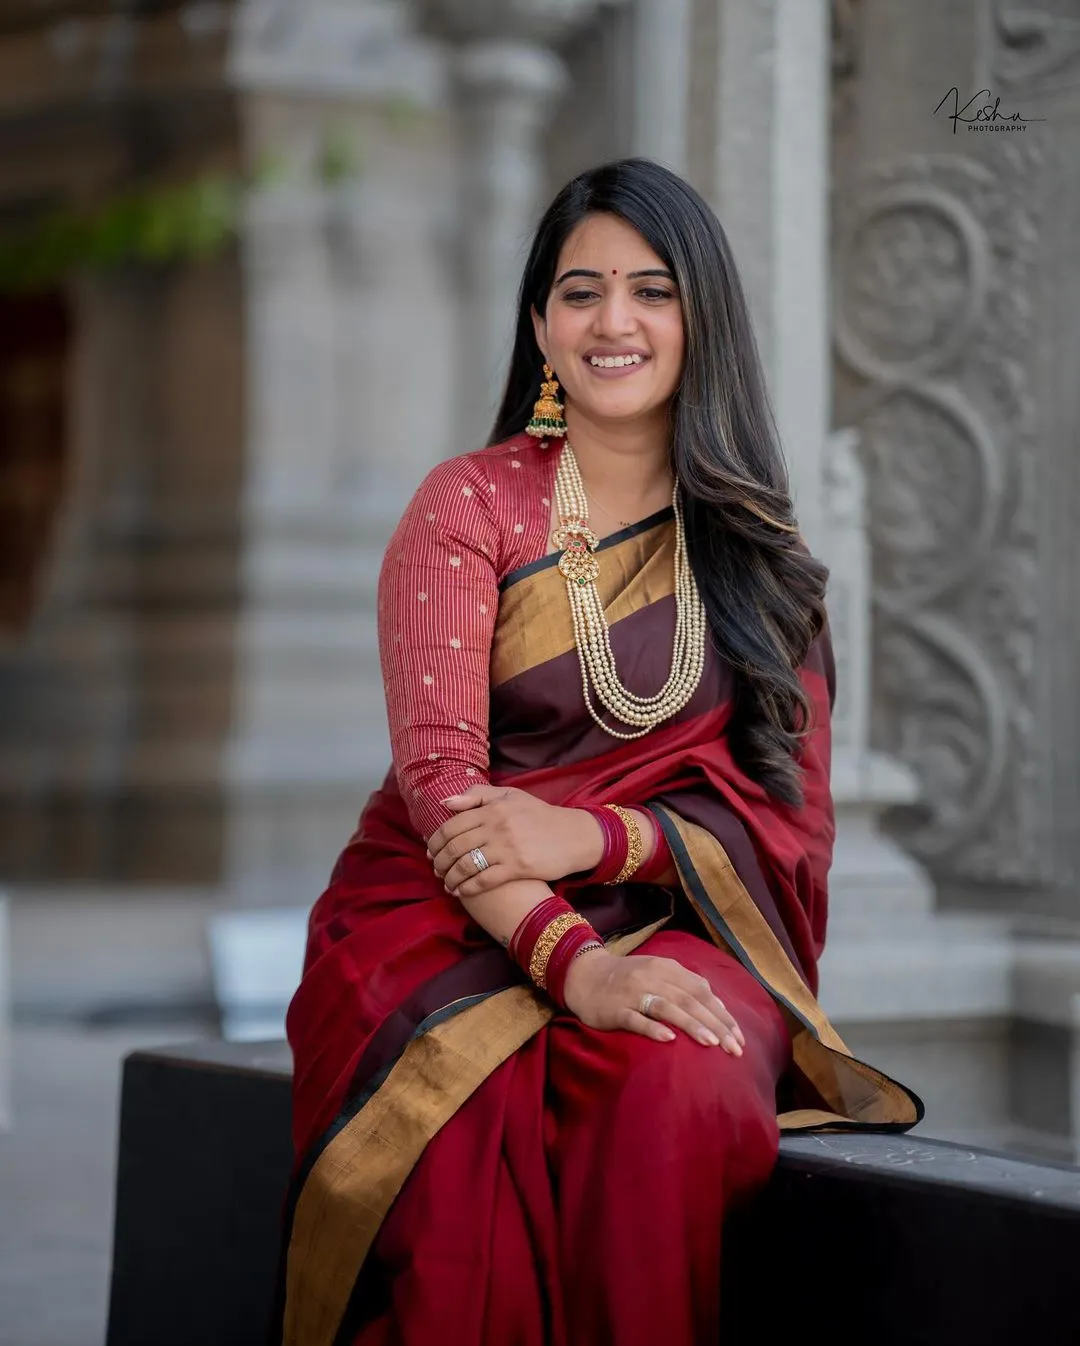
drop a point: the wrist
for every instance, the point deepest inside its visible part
(588, 964)
(589, 847)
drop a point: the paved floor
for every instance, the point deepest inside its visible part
(57, 1166)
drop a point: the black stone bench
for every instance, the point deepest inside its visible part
(898, 1240)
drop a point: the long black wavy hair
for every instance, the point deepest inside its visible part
(764, 595)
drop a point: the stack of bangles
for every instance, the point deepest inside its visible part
(548, 940)
(623, 848)
(553, 934)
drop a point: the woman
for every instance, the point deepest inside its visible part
(563, 979)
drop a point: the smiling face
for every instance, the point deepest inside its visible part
(613, 326)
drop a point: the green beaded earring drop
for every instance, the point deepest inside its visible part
(547, 418)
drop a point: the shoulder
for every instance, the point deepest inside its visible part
(487, 467)
(474, 500)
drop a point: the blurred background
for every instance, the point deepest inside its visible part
(257, 268)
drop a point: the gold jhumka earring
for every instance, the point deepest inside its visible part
(547, 418)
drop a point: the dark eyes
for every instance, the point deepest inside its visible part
(650, 293)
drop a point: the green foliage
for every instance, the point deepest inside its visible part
(402, 113)
(185, 222)
(339, 159)
(190, 221)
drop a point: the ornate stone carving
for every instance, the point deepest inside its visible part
(1038, 45)
(931, 324)
(915, 287)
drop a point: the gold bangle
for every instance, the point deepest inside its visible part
(635, 848)
(545, 944)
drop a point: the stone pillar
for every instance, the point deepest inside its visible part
(290, 347)
(770, 188)
(347, 409)
(507, 79)
(506, 91)
(396, 390)
(662, 35)
(864, 782)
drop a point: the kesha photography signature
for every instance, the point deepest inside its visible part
(986, 116)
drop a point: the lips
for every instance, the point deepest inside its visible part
(634, 354)
(614, 364)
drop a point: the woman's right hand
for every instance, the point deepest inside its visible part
(606, 991)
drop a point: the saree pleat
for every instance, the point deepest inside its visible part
(461, 1146)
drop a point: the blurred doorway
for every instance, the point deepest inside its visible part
(35, 345)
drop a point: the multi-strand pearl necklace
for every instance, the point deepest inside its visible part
(577, 542)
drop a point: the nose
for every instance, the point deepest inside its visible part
(614, 315)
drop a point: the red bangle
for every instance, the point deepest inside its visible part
(616, 845)
(660, 859)
(529, 929)
(575, 941)
(578, 937)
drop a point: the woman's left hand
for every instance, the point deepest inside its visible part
(521, 837)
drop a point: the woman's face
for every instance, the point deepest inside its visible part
(613, 328)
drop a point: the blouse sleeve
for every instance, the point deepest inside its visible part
(437, 602)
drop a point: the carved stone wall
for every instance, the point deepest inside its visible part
(951, 357)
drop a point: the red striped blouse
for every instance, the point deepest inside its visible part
(473, 519)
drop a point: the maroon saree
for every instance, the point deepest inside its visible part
(478, 1169)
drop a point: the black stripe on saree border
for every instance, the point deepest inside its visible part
(612, 540)
(708, 912)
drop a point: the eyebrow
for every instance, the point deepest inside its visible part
(630, 275)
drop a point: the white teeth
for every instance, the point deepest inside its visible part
(614, 361)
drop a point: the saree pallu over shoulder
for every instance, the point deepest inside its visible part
(406, 1007)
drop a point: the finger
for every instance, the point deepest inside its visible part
(464, 867)
(481, 883)
(473, 796)
(701, 989)
(673, 1008)
(682, 1011)
(439, 838)
(457, 848)
(634, 1022)
(452, 829)
(716, 1007)
(453, 862)
(719, 1021)
(464, 871)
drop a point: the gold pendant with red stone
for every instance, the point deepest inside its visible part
(577, 542)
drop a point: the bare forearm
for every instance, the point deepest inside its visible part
(501, 910)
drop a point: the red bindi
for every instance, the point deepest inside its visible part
(614, 272)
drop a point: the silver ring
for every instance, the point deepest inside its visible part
(479, 859)
(646, 1003)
